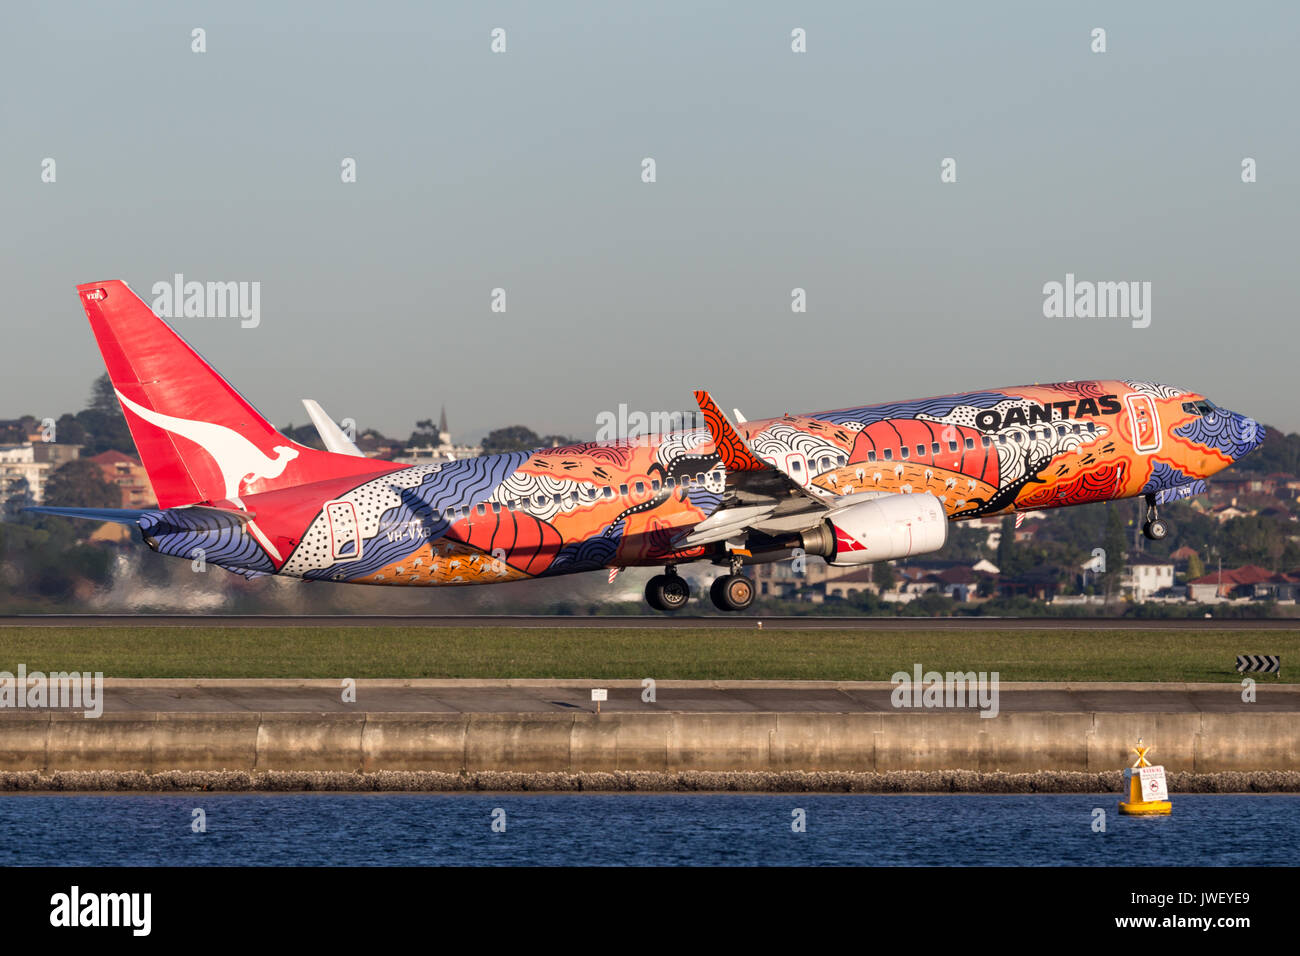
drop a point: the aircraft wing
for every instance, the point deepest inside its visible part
(760, 496)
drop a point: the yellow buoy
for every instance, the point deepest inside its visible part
(1147, 795)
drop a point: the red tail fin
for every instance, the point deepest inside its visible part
(198, 439)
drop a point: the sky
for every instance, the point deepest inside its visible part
(775, 170)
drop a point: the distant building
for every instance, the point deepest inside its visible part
(1143, 576)
(22, 476)
(129, 476)
(440, 451)
(808, 580)
(56, 453)
(1248, 582)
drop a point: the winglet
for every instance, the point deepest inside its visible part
(732, 449)
(330, 433)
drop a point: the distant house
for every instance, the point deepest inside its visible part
(959, 583)
(130, 477)
(1226, 512)
(1042, 581)
(1249, 582)
(1143, 576)
(851, 585)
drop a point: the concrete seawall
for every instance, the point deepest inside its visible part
(584, 743)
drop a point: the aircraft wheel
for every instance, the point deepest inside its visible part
(732, 592)
(667, 592)
(654, 592)
(1156, 529)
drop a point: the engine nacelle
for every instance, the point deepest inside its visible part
(880, 529)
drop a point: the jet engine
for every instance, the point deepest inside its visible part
(880, 529)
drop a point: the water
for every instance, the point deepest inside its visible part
(641, 829)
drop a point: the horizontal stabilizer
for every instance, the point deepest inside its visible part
(127, 516)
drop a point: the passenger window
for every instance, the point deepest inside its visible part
(985, 440)
(609, 491)
(654, 484)
(889, 454)
(482, 509)
(669, 482)
(842, 461)
(904, 452)
(640, 487)
(871, 456)
(622, 490)
(934, 448)
(952, 445)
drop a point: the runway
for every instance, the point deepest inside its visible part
(656, 621)
(123, 696)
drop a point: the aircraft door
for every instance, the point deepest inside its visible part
(1145, 421)
(344, 529)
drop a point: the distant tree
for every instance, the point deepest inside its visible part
(512, 438)
(103, 396)
(1006, 558)
(303, 435)
(1114, 545)
(81, 484)
(883, 576)
(100, 426)
(426, 433)
(1280, 453)
(1195, 567)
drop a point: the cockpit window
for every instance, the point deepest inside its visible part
(1203, 407)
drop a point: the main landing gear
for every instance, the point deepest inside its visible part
(667, 592)
(670, 592)
(734, 591)
(1154, 528)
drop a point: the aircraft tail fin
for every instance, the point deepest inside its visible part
(198, 438)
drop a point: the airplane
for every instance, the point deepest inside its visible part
(854, 486)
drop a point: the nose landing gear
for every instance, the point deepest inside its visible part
(1154, 528)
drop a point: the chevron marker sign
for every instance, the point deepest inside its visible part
(1265, 663)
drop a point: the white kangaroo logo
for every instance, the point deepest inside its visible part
(239, 460)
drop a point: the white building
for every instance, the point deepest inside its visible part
(21, 474)
(1143, 577)
(444, 450)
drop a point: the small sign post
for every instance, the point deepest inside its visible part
(598, 694)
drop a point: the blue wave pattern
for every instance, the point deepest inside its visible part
(1164, 476)
(1166, 495)
(588, 555)
(928, 406)
(458, 484)
(222, 537)
(1231, 434)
